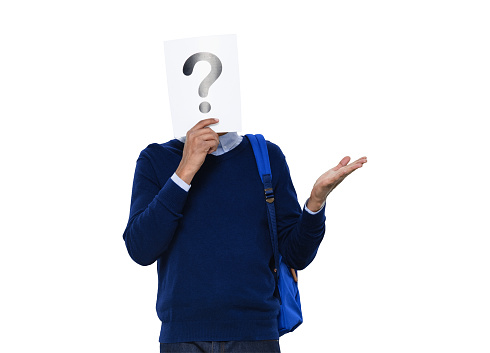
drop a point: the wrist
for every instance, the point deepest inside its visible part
(315, 205)
(185, 174)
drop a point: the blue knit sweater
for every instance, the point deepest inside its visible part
(212, 244)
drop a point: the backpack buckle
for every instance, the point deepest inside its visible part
(269, 195)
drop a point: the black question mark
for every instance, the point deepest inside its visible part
(216, 69)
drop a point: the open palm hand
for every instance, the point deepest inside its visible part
(333, 177)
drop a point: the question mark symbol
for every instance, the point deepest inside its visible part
(216, 69)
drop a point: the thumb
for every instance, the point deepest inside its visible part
(342, 163)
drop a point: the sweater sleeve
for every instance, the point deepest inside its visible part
(154, 213)
(299, 231)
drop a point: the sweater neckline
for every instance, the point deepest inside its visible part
(211, 158)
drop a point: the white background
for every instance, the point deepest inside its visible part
(404, 265)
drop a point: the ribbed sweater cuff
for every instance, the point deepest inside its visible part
(314, 223)
(172, 196)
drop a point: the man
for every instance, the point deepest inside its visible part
(198, 209)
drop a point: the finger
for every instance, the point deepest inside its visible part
(342, 163)
(361, 161)
(204, 123)
(206, 134)
(351, 167)
(346, 170)
(211, 147)
(210, 137)
(357, 163)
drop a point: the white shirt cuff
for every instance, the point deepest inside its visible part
(311, 212)
(180, 182)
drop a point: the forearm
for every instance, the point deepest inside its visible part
(300, 242)
(185, 173)
(150, 230)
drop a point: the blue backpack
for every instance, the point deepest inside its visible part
(286, 278)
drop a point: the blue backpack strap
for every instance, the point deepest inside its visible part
(261, 154)
(259, 147)
(290, 315)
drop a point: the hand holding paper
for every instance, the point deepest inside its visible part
(200, 141)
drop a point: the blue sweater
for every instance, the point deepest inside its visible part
(212, 244)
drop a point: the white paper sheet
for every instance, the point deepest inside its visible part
(203, 55)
